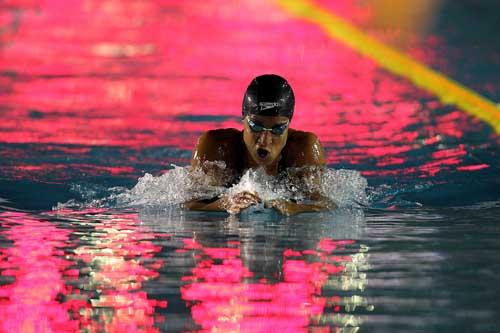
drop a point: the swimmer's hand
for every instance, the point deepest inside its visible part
(231, 204)
(236, 203)
(288, 208)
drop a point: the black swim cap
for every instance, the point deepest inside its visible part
(269, 95)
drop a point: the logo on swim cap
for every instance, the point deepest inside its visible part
(267, 105)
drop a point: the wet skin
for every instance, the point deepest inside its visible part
(247, 149)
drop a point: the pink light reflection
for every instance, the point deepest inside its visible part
(121, 258)
(473, 167)
(49, 295)
(36, 262)
(108, 78)
(223, 297)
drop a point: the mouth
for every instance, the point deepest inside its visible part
(262, 153)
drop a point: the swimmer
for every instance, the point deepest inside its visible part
(267, 142)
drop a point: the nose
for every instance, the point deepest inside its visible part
(265, 138)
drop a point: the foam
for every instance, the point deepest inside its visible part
(344, 187)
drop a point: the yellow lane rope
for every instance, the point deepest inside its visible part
(448, 90)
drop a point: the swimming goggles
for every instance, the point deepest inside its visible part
(276, 130)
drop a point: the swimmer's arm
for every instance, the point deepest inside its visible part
(233, 204)
(210, 205)
(286, 207)
(208, 149)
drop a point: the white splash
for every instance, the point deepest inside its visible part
(344, 187)
(257, 181)
(347, 188)
(178, 185)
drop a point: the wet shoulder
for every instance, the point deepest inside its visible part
(221, 134)
(303, 148)
(218, 145)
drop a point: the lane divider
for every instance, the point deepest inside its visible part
(448, 90)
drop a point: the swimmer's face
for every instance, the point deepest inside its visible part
(265, 137)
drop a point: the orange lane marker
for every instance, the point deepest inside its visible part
(448, 90)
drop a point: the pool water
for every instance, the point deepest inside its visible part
(95, 94)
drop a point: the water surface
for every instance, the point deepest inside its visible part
(94, 99)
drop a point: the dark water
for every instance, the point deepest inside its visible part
(97, 97)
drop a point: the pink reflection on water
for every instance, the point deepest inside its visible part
(49, 294)
(59, 173)
(36, 263)
(223, 296)
(125, 73)
(116, 170)
(473, 167)
(121, 258)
